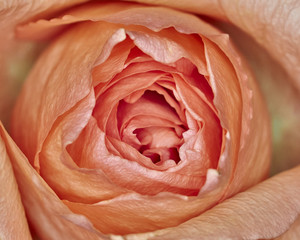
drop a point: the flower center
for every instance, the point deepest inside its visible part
(152, 126)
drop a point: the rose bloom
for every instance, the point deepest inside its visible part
(137, 122)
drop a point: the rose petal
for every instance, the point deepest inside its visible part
(131, 213)
(293, 232)
(69, 181)
(262, 212)
(276, 30)
(133, 175)
(13, 223)
(17, 57)
(201, 7)
(281, 97)
(273, 25)
(253, 113)
(45, 83)
(120, 90)
(48, 216)
(117, 12)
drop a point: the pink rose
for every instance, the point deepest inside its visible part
(143, 122)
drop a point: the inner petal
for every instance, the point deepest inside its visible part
(159, 135)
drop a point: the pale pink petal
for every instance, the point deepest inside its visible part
(276, 29)
(293, 232)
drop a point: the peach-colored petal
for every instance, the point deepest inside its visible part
(48, 216)
(16, 56)
(69, 181)
(276, 29)
(254, 118)
(13, 223)
(209, 147)
(133, 175)
(117, 12)
(281, 97)
(262, 212)
(273, 24)
(117, 55)
(293, 232)
(120, 90)
(133, 213)
(43, 29)
(139, 15)
(207, 7)
(54, 81)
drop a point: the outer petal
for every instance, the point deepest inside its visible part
(69, 181)
(51, 83)
(17, 57)
(274, 25)
(262, 212)
(254, 118)
(49, 217)
(281, 97)
(208, 7)
(293, 232)
(261, 19)
(13, 223)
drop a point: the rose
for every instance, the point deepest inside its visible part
(208, 214)
(139, 90)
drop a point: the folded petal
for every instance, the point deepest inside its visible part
(239, 97)
(253, 18)
(70, 181)
(262, 212)
(57, 86)
(13, 223)
(17, 57)
(48, 216)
